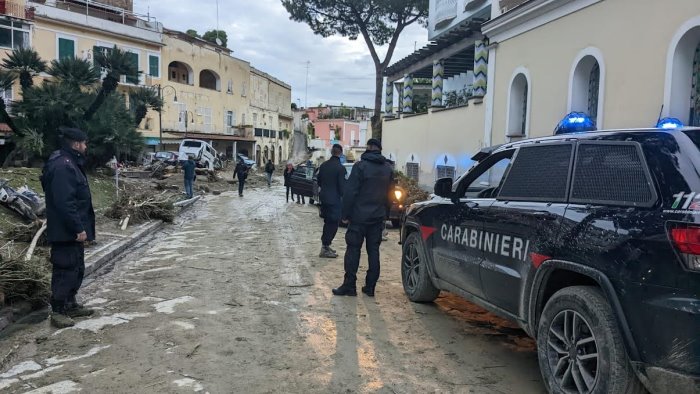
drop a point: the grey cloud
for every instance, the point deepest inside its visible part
(260, 32)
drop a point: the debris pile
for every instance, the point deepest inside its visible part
(140, 208)
(413, 192)
(25, 233)
(24, 280)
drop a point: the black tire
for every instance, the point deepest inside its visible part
(395, 223)
(581, 317)
(414, 271)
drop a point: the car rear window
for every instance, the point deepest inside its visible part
(192, 144)
(611, 173)
(539, 173)
(694, 136)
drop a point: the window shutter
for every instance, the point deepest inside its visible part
(154, 66)
(66, 48)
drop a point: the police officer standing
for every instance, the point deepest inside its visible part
(331, 180)
(365, 208)
(70, 222)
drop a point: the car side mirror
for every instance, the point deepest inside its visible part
(443, 188)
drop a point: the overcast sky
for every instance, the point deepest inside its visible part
(261, 32)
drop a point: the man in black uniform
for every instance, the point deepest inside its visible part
(365, 209)
(70, 222)
(331, 180)
(241, 171)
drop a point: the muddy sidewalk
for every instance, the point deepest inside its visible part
(233, 298)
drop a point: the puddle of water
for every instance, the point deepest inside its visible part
(27, 366)
(191, 383)
(90, 353)
(168, 307)
(64, 387)
(95, 325)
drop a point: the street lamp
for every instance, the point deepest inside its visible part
(160, 113)
(186, 120)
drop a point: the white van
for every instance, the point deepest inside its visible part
(204, 154)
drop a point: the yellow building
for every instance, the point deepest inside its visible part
(271, 116)
(534, 61)
(205, 91)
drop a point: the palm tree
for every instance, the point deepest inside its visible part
(114, 64)
(25, 63)
(74, 72)
(140, 100)
(7, 81)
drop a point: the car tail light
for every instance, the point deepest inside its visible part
(687, 240)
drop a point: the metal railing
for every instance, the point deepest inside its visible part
(104, 11)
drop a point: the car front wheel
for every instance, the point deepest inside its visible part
(580, 347)
(414, 271)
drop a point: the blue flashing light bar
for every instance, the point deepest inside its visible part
(575, 122)
(669, 124)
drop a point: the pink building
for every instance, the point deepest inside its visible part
(341, 131)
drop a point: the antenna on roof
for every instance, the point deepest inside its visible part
(660, 114)
(218, 40)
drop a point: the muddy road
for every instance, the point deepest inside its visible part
(234, 299)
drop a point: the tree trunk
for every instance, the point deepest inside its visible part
(140, 113)
(378, 95)
(99, 100)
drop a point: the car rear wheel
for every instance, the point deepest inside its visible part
(580, 347)
(414, 271)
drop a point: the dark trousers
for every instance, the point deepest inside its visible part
(331, 221)
(289, 192)
(241, 185)
(355, 236)
(188, 187)
(68, 260)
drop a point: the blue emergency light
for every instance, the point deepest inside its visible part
(669, 124)
(575, 122)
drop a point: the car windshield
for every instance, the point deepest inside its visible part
(163, 155)
(192, 144)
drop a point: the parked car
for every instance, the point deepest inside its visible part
(204, 154)
(303, 182)
(589, 241)
(250, 163)
(169, 158)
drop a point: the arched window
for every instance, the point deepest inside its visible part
(682, 93)
(258, 155)
(209, 80)
(518, 111)
(267, 154)
(586, 86)
(181, 73)
(280, 153)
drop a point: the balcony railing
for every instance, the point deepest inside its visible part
(16, 10)
(104, 11)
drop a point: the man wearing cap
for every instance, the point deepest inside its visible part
(70, 222)
(365, 209)
(331, 180)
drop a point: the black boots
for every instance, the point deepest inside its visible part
(368, 290)
(345, 290)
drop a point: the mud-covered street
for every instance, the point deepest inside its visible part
(234, 299)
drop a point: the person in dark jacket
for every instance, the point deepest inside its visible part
(288, 172)
(188, 168)
(365, 209)
(269, 170)
(331, 180)
(241, 171)
(70, 220)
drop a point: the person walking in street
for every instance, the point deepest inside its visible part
(70, 220)
(269, 170)
(241, 171)
(331, 180)
(288, 172)
(365, 209)
(188, 167)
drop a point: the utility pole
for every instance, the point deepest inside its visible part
(306, 99)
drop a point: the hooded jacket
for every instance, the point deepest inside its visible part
(366, 198)
(69, 209)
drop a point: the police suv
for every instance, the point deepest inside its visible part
(590, 242)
